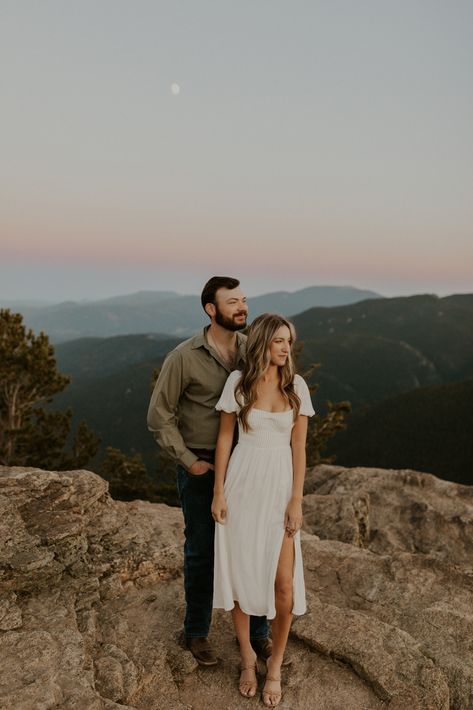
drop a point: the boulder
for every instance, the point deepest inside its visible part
(91, 598)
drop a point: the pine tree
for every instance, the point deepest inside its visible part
(322, 428)
(31, 435)
(127, 475)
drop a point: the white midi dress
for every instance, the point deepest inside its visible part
(257, 488)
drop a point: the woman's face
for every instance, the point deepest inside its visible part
(280, 346)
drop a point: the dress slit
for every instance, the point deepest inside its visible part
(294, 552)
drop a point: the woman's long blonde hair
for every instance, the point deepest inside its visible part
(260, 335)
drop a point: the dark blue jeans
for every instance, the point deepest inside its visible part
(196, 493)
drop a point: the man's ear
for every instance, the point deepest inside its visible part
(210, 309)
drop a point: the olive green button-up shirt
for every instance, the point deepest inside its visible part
(182, 412)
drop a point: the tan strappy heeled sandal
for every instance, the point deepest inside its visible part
(267, 694)
(248, 688)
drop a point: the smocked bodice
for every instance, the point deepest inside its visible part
(267, 429)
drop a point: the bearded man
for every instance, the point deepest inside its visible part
(184, 421)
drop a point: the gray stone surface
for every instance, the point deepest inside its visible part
(91, 599)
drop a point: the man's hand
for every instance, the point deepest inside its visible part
(199, 467)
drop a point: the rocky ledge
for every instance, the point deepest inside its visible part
(92, 602)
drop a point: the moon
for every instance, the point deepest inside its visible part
(175, 89)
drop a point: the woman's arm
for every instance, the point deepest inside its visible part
(293, 521)
(222, 456)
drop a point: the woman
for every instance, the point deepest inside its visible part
(258, 496)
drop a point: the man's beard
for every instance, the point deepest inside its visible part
(228, 323)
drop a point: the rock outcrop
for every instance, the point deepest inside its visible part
(92, 603)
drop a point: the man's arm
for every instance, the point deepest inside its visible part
(162, 411)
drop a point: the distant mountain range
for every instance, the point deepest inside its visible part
(380, 348)
(165, 312)
(368, 352)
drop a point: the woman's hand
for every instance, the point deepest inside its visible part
(219, 508)
(293, 517)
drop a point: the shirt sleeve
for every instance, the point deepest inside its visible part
(227, 401)
(162, 411)
(302, 391)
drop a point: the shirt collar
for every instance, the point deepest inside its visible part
(200, 341)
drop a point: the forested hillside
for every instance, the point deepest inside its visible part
(370, 353)
(428, 429)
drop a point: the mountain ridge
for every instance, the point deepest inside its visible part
(163, 311)
(111, 383)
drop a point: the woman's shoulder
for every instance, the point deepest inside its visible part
(301, 387)
(227, 400)
(233, 379)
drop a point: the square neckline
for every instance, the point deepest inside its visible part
(267, 411)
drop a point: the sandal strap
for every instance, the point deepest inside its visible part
(271, 677)
(251, 667)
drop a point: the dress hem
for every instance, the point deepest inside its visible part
(254, 613)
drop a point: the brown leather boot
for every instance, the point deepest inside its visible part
(264, 648)
(201, 650)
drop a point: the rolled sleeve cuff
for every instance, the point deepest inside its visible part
(187, 459)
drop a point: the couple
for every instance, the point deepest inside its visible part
(242, 504)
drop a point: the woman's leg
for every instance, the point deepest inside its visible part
(241, 622)
(283, 589)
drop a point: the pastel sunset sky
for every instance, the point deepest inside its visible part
(306, 142)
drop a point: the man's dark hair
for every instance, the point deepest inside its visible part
(212, 286)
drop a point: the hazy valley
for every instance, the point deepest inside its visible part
(405, 364)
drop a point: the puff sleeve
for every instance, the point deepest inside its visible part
(227, 401)
(301, 389)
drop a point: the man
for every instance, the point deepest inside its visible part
(183, 418)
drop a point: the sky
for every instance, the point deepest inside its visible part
(308, 143)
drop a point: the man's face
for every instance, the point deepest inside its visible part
(231, 309)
